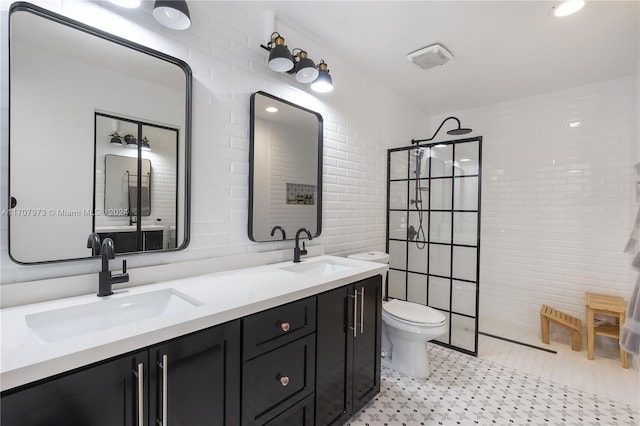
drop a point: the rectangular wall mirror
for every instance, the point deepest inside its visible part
(71, 86)
(285, 169)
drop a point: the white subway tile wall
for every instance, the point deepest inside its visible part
(556, 201)
(362, 119)
(556, 208)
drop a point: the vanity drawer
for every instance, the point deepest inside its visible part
(300, 414)
(277, 380)
(275, 327)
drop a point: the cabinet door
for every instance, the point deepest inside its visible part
(334, 360)
(195, 379)
(101, 395)
(367, 343)
(152, 240)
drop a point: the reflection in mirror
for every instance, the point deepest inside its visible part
(62, 75)
(285, 169)
(128, 175)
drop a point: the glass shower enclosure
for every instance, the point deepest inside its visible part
(433, 233)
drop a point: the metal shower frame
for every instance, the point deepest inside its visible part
(428, 211)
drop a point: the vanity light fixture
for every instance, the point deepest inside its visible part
(298, 63)
(305, 69)
(280, 59)
(323, 83)
(115, 138)
(145, 144)
(172, 14)
(131, 141)
(457, 131)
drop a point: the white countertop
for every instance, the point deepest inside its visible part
(129, 228)
(224, 296)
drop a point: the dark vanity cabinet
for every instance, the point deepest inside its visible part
(314, 361)
(278, 369)
(195, 379)
(127, 241)
(191, 380)
(348, 345)
(105, 394)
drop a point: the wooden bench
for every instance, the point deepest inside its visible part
(548, 314)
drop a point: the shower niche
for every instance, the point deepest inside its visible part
(433, 232)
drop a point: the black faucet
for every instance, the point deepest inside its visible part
(93, 242)
(296, 251)
(273, 231)
(105, 277)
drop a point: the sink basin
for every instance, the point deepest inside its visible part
(319, 268)
(64, 323)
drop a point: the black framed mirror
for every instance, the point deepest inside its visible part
(63, 75)
(285, 169)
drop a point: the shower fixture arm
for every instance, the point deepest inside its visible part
(457, 131)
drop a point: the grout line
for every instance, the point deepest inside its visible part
(518, 343)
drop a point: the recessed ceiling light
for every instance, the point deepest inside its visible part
(575, 123)
(271, 109)
(465, 159)
(131, 4)
(566, 8)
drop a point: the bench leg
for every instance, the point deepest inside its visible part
(544, 323)
(575, 340)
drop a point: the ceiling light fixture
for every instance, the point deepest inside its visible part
(172, 14)
(129, 4)
(566, 8)
(297, 63)
(455, 132)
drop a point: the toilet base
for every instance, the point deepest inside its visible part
(411, 358)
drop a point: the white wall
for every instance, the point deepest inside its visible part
(362, 119)
(555, 200)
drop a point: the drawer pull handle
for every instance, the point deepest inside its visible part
(285, 326)
(284, 380)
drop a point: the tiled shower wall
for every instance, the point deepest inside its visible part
(362, 119)
(556, 201)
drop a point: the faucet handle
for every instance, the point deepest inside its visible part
(304, 249)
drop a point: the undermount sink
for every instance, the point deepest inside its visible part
(319, 268)
(64, 323)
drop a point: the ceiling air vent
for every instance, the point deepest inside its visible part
(430, 56)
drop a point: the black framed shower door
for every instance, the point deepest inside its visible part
(433, 232)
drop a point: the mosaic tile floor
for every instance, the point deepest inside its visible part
(464, 390)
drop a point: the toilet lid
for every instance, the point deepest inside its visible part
(413, 312)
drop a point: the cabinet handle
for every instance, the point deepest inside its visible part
(355, 313)
(165, 385)
(140, 375)
(285, 326)
(362, 310)
(284, 380)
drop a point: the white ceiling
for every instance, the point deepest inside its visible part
(502, 49)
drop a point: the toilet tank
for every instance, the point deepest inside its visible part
(378, 257)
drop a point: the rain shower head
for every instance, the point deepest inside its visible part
(457, 131)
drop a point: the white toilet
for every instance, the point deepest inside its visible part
(406, 329)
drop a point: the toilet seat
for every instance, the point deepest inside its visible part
(413, 313)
